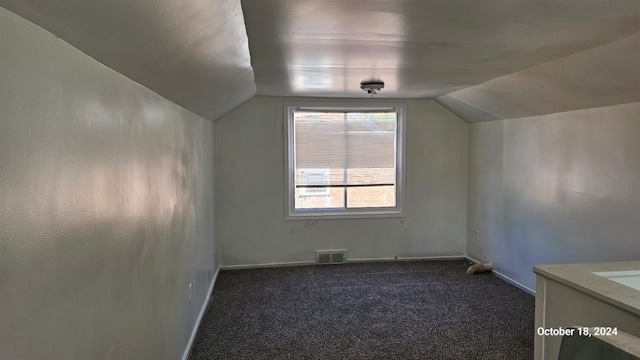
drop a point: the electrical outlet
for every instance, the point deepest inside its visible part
(477, 235)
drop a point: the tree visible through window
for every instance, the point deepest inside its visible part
(343, 161)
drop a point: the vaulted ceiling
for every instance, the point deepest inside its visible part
(212, 55)
(193, 52)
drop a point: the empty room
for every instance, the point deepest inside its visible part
(320, 179)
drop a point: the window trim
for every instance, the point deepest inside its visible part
(398, 211)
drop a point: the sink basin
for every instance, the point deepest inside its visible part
(630, 278)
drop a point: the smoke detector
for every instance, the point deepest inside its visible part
(372, 86)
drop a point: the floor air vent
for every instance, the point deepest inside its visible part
(337, 257)
(331, 256)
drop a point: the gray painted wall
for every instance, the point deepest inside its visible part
(560, 188)
(106, 208)
(250, 192)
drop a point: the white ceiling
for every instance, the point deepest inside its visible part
(603, 76)
(419, 48)
(202, 54)
(193, 52)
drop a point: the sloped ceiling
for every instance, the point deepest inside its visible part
(193, 52)
(603, 76)
(202, 54)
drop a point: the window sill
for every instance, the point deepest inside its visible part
(343, 216)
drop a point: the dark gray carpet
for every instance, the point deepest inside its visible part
(399, 310)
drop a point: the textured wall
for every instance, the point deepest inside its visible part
(106, 208)
(251, 206)
(559, 188)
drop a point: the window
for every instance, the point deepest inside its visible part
(315, 178)
(344, 161)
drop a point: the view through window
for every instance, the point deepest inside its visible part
(344, 160)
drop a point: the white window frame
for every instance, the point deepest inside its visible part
(291, 213)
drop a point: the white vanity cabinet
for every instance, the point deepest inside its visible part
(572, 295)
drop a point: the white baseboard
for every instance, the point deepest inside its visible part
(469, 258)
(417, 258)
(266, 265)
(205, 305)
(299, 263)
(514, 283)
(506, 278)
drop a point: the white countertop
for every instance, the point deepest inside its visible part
(580, 277)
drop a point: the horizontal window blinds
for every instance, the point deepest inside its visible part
(350, 148)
